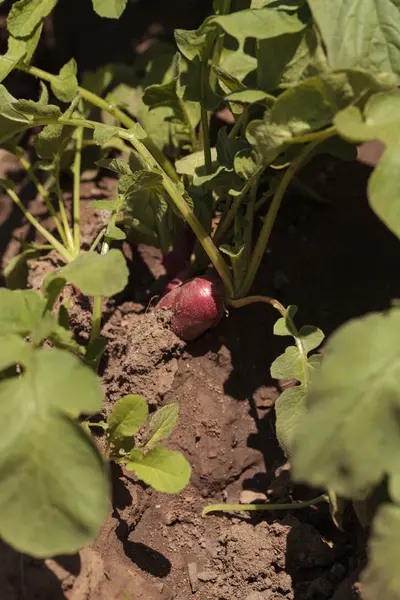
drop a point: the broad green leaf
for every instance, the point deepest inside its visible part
(381, 578)
(26, 15)
(296, 56)
(384, 188)
(309, 106)
(260, 24)
(96, 274)
(65, 84)
(144, 180)
(127, 416)
(112, 9)
(12, 350)
(50, 457)
(364, 34)
(165, 470)
(353, 410)
(381, 120)
(162, 424)
(50, 142)
(16, 52)
(20, 311)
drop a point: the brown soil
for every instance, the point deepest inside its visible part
(335, 260)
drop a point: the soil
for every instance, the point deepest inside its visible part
(323, 257)
(335, 260)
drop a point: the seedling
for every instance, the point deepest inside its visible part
(165, 470)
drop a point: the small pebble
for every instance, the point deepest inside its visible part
(208, 575)
(248, 497)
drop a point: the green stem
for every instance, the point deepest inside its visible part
(63, 252)
(269, 221)
(117, 113)
(206, 141)
(239, 122)
(225, 223)
(241, 302)
(97, 239)
(42, 191)
(186, 119)
(267, 507)
(63, 212)
(76, 170)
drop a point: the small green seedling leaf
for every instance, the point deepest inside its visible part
(381, 577)
(162, 425)
(352, 410)
(128, 415)
(165, 470)
(26, 15)
(112, 9)
(65, 84)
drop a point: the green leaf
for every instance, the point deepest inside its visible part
(20, 311)
(127, 416)
(381, 578)
(296, 56)
(360, 34)
(188, 165)
(162, 424)
(12, 350)
(115, 233)
(310, 106)
(353, 408)
(260, 24)
(165, 470)
(50, 457)
(384, 189)
(103, 133)
(15, 53)
(65, 84)
(250, 97)
(110, 205)
(26, 15)
(229, 82)
(117, 165)
(381, 120)
(227, 148)
(94, 274)
(294, 364)
(112, 9)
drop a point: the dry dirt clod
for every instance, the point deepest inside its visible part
(248, 496)
(193, 577)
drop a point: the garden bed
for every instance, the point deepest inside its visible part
(336, 260)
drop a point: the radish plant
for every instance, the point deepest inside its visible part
(300, 78)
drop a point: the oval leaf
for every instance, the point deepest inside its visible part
(165, 470)
(127, 416)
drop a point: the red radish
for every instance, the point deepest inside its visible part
(196, 306)
(180, 278)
